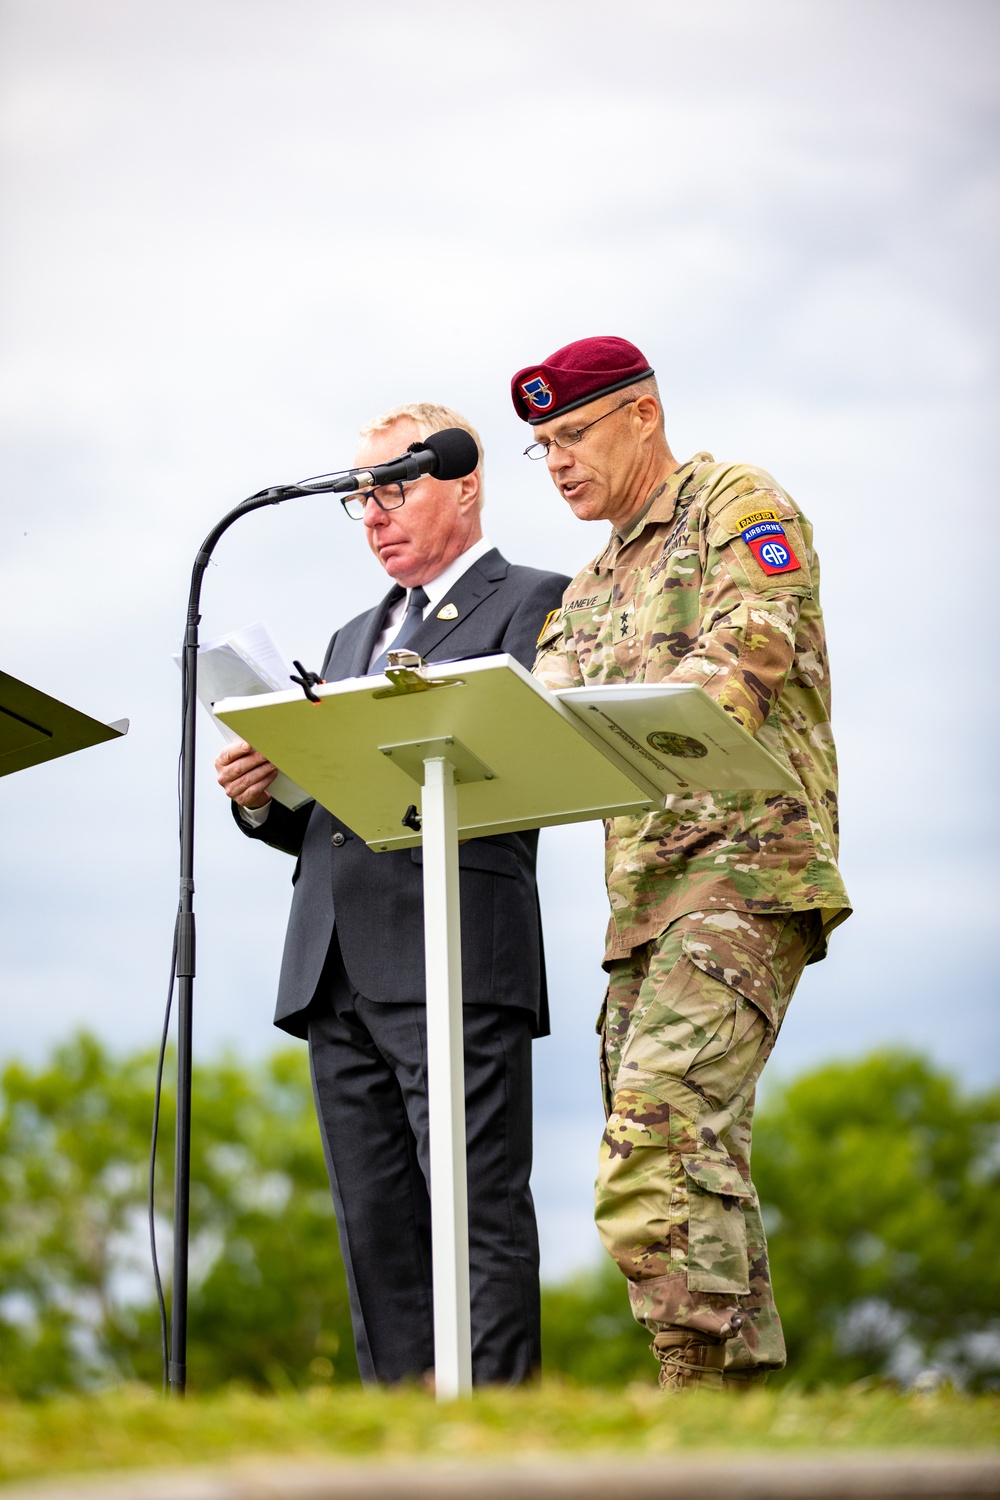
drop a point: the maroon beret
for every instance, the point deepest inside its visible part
(576, 374)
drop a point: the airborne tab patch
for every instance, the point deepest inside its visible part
(761, 529)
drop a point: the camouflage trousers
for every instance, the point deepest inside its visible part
(689, 1022)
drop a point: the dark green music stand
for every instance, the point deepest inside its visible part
(35, 727)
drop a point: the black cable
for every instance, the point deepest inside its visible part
(164, 1339)
(158, 1087)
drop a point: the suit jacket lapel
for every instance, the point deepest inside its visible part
(475, 585)
(371, 632)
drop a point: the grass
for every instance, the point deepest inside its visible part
(135, 1428)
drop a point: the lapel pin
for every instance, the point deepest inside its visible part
(448, 612)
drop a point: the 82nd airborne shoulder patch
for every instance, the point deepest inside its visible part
(765, 536)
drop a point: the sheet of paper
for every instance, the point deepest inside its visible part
(245, 663)
(256, 646)
(679, 737)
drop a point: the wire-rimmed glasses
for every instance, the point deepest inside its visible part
(386, 497)
(541, 450)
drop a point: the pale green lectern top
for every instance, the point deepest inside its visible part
(35, 727)
(521, 760)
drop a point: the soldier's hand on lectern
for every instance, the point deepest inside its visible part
(244, 774)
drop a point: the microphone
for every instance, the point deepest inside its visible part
(449, 454)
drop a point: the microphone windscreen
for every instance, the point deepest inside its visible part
(455, 451)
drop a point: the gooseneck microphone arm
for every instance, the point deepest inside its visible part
(450, 454)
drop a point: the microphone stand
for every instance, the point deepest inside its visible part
(177, 1363)
(419, 459)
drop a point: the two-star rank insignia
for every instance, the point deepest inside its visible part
(448, 612)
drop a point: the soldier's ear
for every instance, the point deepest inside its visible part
(647, 409)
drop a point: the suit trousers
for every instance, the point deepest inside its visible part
(369, 1071)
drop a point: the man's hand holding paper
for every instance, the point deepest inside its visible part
(244, 775)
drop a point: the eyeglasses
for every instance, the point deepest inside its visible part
(386, 497)
(541, 450)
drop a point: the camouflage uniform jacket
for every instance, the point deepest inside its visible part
(682, 596)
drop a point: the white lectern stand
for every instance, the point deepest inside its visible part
(480, 748)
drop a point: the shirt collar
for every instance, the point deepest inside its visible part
(437, 588)
(658, 508)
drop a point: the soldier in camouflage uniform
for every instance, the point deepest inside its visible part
(719, 901)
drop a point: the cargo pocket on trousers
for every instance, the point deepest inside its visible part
(735, 964)
(717, 1231)
(732, 1058)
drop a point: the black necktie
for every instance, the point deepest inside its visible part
(412, 621)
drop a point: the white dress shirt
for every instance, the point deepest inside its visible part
(437, 589)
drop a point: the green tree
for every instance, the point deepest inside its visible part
(879, 1184)
(878, 1181)
(268, 1297)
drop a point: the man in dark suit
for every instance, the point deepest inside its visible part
(352, 974)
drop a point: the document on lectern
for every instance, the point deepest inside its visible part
(678, 737)
(243, 664)
(522, 757)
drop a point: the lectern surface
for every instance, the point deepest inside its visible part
(35, 727)
(522, 760)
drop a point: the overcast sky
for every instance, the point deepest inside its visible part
(236, 229)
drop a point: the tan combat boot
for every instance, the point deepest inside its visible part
(689, 1360)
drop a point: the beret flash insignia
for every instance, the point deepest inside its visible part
(537, 392)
